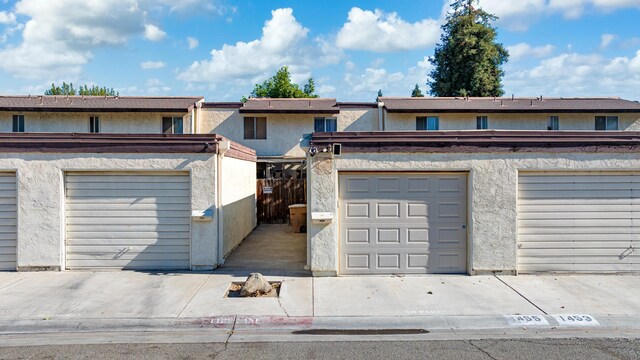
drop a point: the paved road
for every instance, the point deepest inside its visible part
(480, 349)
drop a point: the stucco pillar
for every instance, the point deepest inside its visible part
(323, 238)
(492, 210)
(40, 209)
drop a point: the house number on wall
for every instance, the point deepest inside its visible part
(267, 190)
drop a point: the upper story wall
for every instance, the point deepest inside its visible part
(285, 132)
(515, 121)
(110, 122)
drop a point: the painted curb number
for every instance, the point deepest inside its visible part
(576, 320)
(526, 320)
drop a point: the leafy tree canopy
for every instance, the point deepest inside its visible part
(417, 92)
(468, 60)
(280, 86)
(68, 89)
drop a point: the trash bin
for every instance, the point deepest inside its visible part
(298, 216)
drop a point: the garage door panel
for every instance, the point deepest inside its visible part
(621, 242)
(614, 253)
(127, 213)
(584, 194)
(594, 222)
(591, 226)
(126, 186)
(578, 230)
(8, 221)
(118, 193)
(8, 248)
(612, 213)
(132, 201)
(599, 186)
(127, 264)
(128, 221)
(126, 228)
(580, 268)
(138, 252)
(387, 223)
(100, 178)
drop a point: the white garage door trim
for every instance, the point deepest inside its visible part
(128, 220)
(578, 222)
(402, 222)
(8, 220)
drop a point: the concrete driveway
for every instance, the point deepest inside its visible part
(140, 295)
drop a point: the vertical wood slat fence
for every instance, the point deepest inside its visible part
(274, 208)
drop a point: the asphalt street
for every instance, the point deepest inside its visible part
(548, 349)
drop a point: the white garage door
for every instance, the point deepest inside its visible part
(8, 221)
(578, 222)
(402, 223)
(128, 221)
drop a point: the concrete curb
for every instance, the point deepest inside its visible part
(246, 323)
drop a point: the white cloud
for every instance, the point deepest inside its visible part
(283, 42)
(59, 37)
(193, 42)
(326, 90)
(152, 65)
(518, 15)
(156, 87)
(573, 74)
(153, 33)
(384, 32)
(523, 50)
(606, 40)
(7, 18)
(392, 83)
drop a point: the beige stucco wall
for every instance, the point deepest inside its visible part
(124, 123)
(398, 121)
(285, 132)
(238, 178)
(40, 180)
(492, 196)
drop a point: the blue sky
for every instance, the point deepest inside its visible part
(220, 48)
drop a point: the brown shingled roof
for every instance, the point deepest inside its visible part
(291, 106)
(96, 103)
(508, 105)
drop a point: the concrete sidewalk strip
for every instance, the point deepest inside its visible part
(417, 295)
(85, 295)
(580, 294)
(295, 298)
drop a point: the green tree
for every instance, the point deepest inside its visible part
(417, 92)
(280, 86)
(68, 89)
(468, 60)
(65, 89)
(379, 92)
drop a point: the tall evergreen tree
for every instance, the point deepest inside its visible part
(468, 60)
(380, 93)
(280, 86)
(417, 92)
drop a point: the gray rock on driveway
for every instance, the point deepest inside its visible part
(255, 283)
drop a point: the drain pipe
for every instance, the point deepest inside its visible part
(223, 146)
(380, 115)
(194, 116)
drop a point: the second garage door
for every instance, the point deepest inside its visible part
(579, 222)
(128, 221)
(409, 223)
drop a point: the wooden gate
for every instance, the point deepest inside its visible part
(274, 197)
